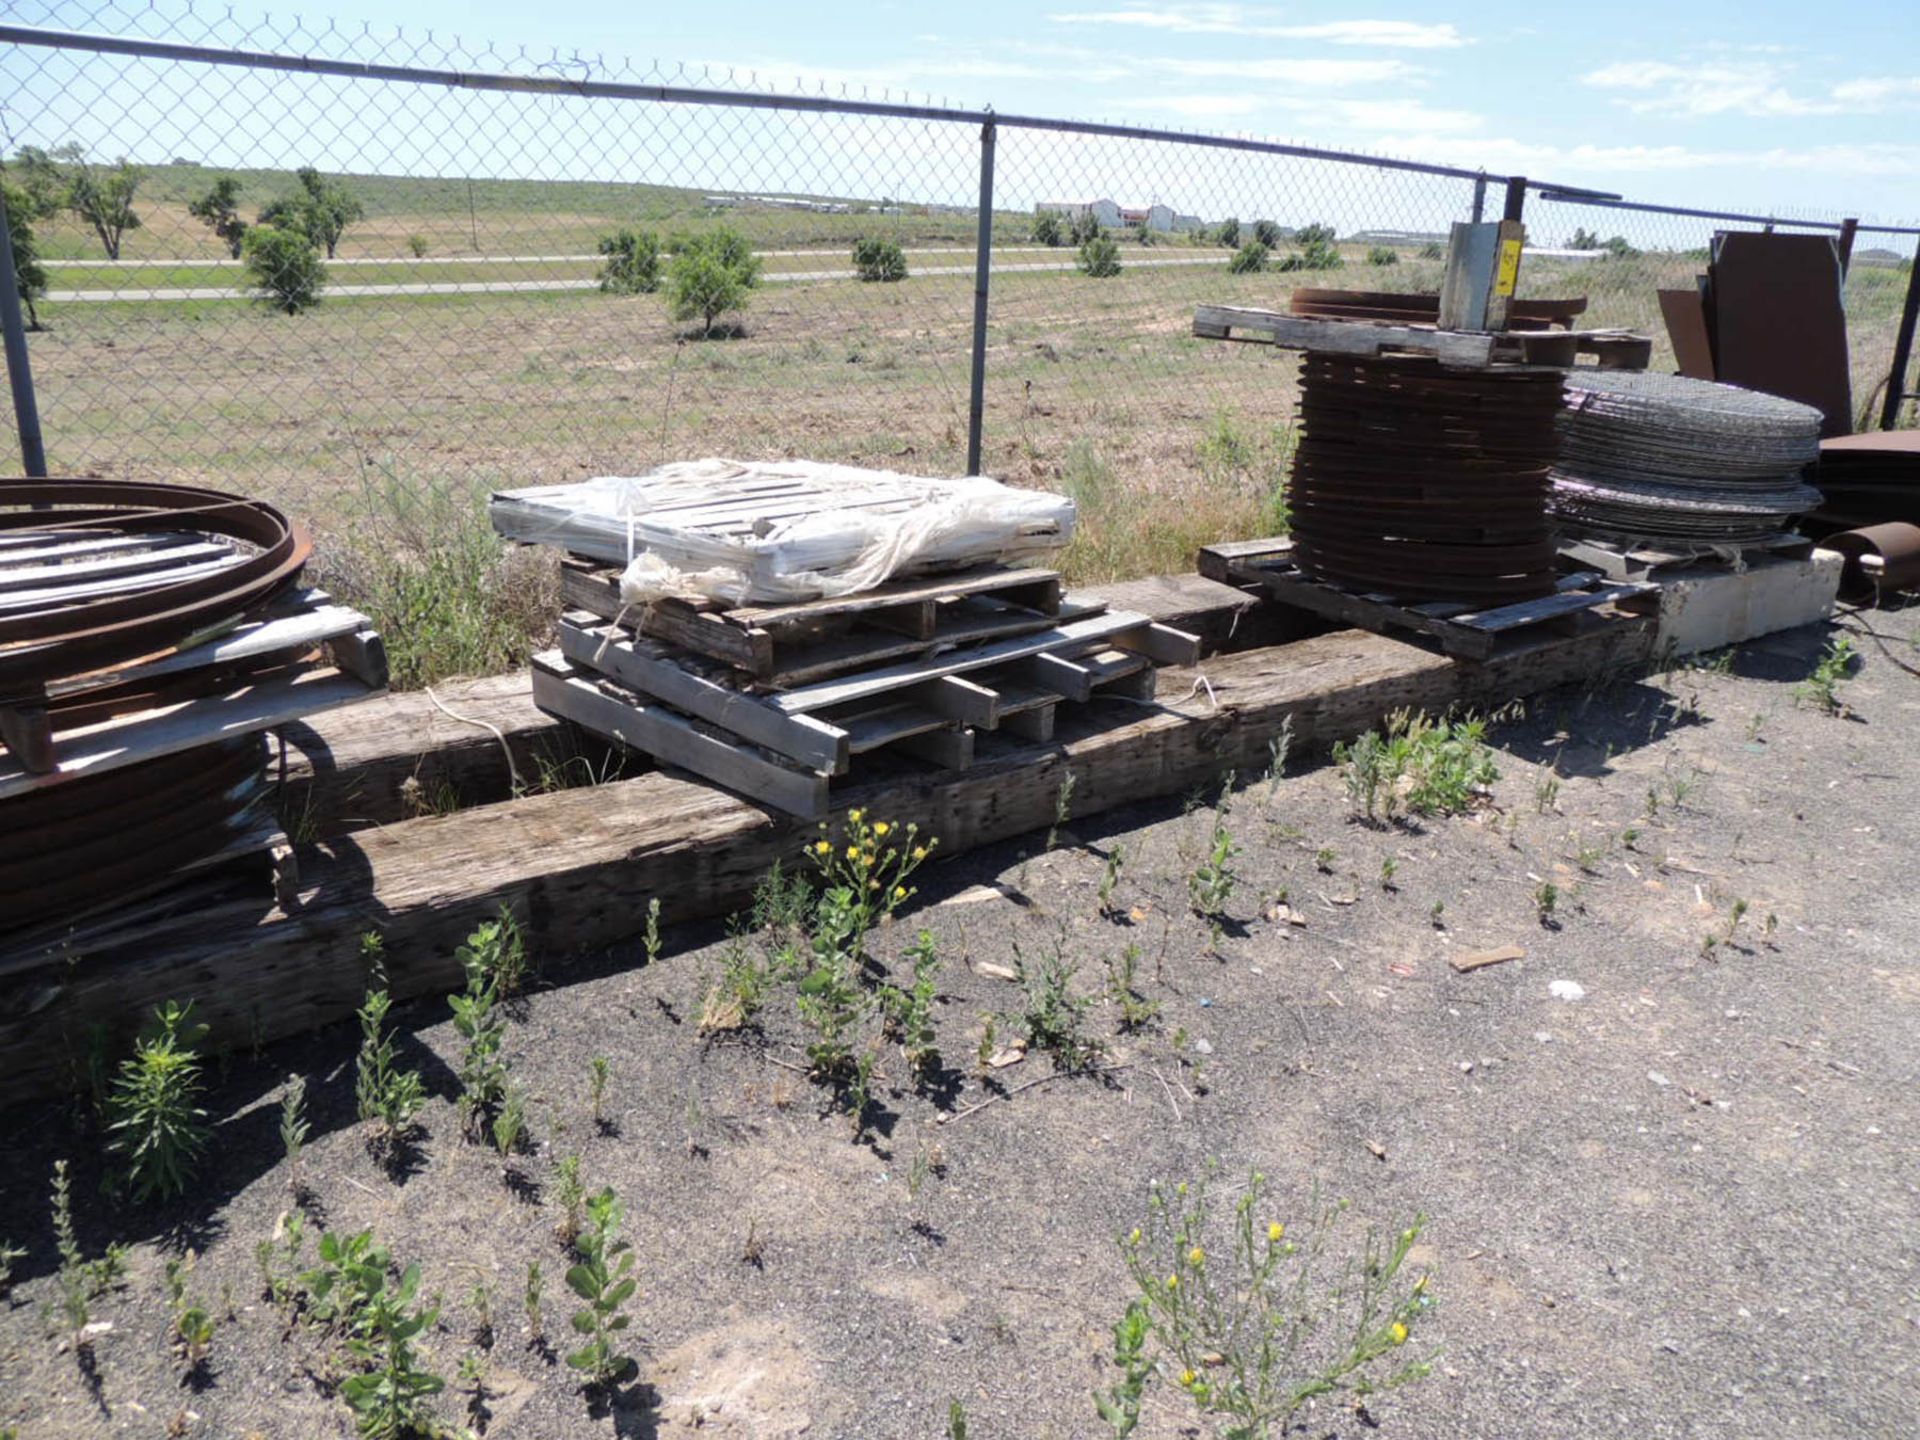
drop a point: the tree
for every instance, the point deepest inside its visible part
(1229, 236)
(1308, 236)
(283, 265)
(1100, 257)
(219, 210)
(102, 197)
(40, 178)
(320, 207)
(1250, 259)
(30, 277)
(1047, 231)
(875, 258)
(633, 262)
(1085, 226)
(1583, 239)
(710, 275)
(1267, 233)
(1619, 248)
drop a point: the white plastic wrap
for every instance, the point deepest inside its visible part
(783, 531)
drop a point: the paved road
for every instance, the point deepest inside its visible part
(509, 287)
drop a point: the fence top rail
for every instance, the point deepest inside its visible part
(687, 95)
(1580, 197)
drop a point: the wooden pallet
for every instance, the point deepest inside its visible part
(302, 656)
(1456, 349)
(783, 645)
(1462, 631)
(782, 749)
(1645, 561)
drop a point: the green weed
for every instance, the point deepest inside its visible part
(294, 1128)
(156, 1127)
(1822, 687)
(1052, 1017)
(1428, 767)
(604, 1279)
(386, 1094)
(1247, 1321)
(1136, 1011)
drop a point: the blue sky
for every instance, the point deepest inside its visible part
(1764, 103)
(1788, 108)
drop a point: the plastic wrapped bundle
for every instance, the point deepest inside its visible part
(752, 532)
(1650, 458)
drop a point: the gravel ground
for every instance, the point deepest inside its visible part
(1676, 1205)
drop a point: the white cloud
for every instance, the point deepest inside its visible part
(1572, 162)
(1397, 115)
(1236, 20)
(1319, 74)
(1873, 93)
(1207, 106)
(1660, 87)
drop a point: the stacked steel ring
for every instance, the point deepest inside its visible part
(74, 648)
(1646, 457)
(1425, 483)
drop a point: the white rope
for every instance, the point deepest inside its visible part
(506, 749)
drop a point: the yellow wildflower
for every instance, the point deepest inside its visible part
(1173, 1282)
(1275, 1231)
(880, 829)
(823, 848)
(1196, 1256)
(1399, 1333)
(1187, 1377)
(1134, 1238)
(853, 852)
(919, 853)
(899, 892)
(854, 815)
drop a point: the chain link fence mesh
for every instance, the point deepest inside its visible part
(464, 337)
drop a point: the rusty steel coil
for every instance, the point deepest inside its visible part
(1424, 483)
(88, 630)
(1895, 546)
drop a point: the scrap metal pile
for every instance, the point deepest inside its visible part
(765, 625)
(1424, 482)
(1663, 458)
(1870, 479)
(149, 634)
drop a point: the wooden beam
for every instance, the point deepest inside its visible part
(579, 865)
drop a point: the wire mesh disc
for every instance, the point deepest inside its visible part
(1647, 457)
(1424, 483)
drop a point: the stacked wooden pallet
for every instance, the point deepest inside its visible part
(776, 702)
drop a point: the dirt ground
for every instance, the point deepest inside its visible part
(1681, 1204)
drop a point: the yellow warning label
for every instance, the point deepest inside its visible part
(1509, 275)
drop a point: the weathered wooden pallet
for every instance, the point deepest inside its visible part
(1458, 349)
(752, 745)
(784, 645)
(1461, 630)
(278, 675)
(1645, 561)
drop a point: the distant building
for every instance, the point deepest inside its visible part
(1158, 218)
(1397, 237)
(1104, 212)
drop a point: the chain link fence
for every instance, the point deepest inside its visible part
(469, 332)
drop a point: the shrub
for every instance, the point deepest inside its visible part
(283, 267)
(1229, 233)
(1083, 227)
(1431, 767)
(1250, 259)
(1047, 231)
(1434, 250)
(1383, 255)
(633, 262)
(1100, 257)
(1246, 1319)
(156, 1126)
(1267, 233)
(710, 275)
(875, 258)
(417, 246)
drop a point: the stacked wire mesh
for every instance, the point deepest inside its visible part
(1663, 459)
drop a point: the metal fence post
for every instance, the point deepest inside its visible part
(26, 413)
(1479, 199)
(982, 269)
(1516, 197)
(1848, 228)
(1897, 391)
